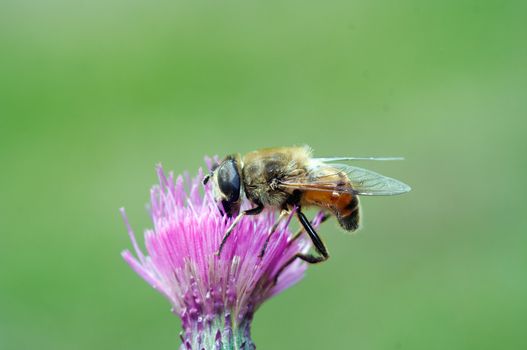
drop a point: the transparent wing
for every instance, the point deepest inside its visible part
(369, 183)
(316, 186)
(343, 159)
(363, 182)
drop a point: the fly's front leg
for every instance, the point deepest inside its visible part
(253, 211)
(317, 243)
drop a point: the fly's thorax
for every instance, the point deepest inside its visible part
(262, 170)
(261, 192)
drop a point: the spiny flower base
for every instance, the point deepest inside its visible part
(217, 334)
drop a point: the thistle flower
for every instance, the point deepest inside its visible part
(215, 296)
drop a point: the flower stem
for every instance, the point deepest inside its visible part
(218, 333)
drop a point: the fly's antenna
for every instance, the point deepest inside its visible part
(206, 179)
(209, 175)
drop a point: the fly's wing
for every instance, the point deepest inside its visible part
(344, 159)
(364, 182)
(369, 183)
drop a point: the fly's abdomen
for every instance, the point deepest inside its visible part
(345, 206)
(348, 215)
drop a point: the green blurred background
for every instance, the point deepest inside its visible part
(94, 93)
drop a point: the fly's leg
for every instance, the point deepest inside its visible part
(298, 233)
(253, 211)
(317, 243)
(283, 214)
(309, 258)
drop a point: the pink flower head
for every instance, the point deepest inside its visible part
(215, 296)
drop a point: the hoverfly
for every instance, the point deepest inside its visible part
(288, 177)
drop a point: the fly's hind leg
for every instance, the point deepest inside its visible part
(283, 213)
(309, 258)
(301, 230)
(317, 242)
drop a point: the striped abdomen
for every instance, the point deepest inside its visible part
(344, 206)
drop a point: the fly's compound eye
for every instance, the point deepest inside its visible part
(229, 186)
(229, 181)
